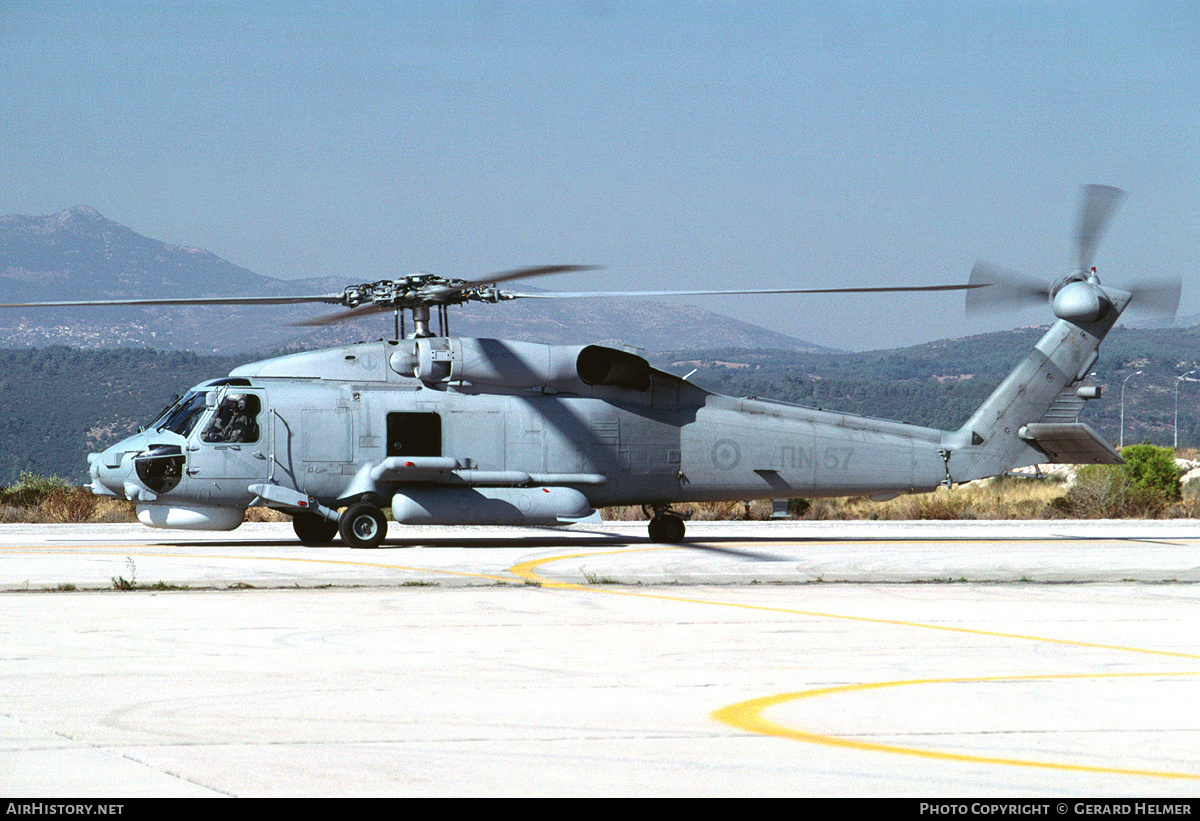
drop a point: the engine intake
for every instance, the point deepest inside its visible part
(598, 365)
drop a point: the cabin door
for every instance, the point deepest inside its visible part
(231, 448)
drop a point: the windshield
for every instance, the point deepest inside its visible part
(182, 417)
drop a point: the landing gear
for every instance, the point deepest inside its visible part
(314, 530)
(363, 525)
(666, 526)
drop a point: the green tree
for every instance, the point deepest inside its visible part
(1140, 488)
(1153, 469)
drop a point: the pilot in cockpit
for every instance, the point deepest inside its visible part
(234, 420)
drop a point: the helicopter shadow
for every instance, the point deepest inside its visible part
(732, 546)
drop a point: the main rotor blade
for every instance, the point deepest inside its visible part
(215, 300)
(333, 299)
(1100, 203)
(524, 273)
(1008, 289)
(742, 292)
(344, 316)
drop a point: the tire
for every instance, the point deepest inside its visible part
(363, 525)
(668, 529)
(314, 530)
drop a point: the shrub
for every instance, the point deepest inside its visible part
(33, 490)
(1153, 469)
(36, 499)
(798, 507)
(1114, 492)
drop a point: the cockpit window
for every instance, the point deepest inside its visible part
(236, 420)
(182, 417)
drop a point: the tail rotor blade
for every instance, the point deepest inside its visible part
(1006, 290)
(1100, 203)
(1159, 298)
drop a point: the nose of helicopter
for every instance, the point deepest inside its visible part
(103, 468)
(136, 469)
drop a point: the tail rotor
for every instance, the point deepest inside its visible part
(1079, 295)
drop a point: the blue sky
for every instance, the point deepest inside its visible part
(678, 144)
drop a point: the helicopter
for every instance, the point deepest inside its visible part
(446, 430)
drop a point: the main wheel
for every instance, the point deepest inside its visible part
(314, 530)
(666, 528)
(363, 525)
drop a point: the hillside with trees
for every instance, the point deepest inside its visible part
(940, 384)
(58, 404)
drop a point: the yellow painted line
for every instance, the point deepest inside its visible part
(747, 715)
(526, 570)
(1058, 541)
(113, 550)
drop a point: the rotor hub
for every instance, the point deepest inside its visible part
(1081, 301)
(419, 291)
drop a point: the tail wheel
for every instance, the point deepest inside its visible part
(314, 530)
(667, 528)
(363, 525)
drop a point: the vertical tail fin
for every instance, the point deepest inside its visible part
(1022, 422)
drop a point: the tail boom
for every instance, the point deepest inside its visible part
(1015, 426)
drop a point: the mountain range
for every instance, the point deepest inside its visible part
(73, 381)
(78, 254)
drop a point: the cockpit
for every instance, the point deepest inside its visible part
(235, 420)
(182, 417)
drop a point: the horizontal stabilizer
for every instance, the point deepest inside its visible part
(1070, 443)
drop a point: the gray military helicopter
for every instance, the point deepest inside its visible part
(450, 430)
